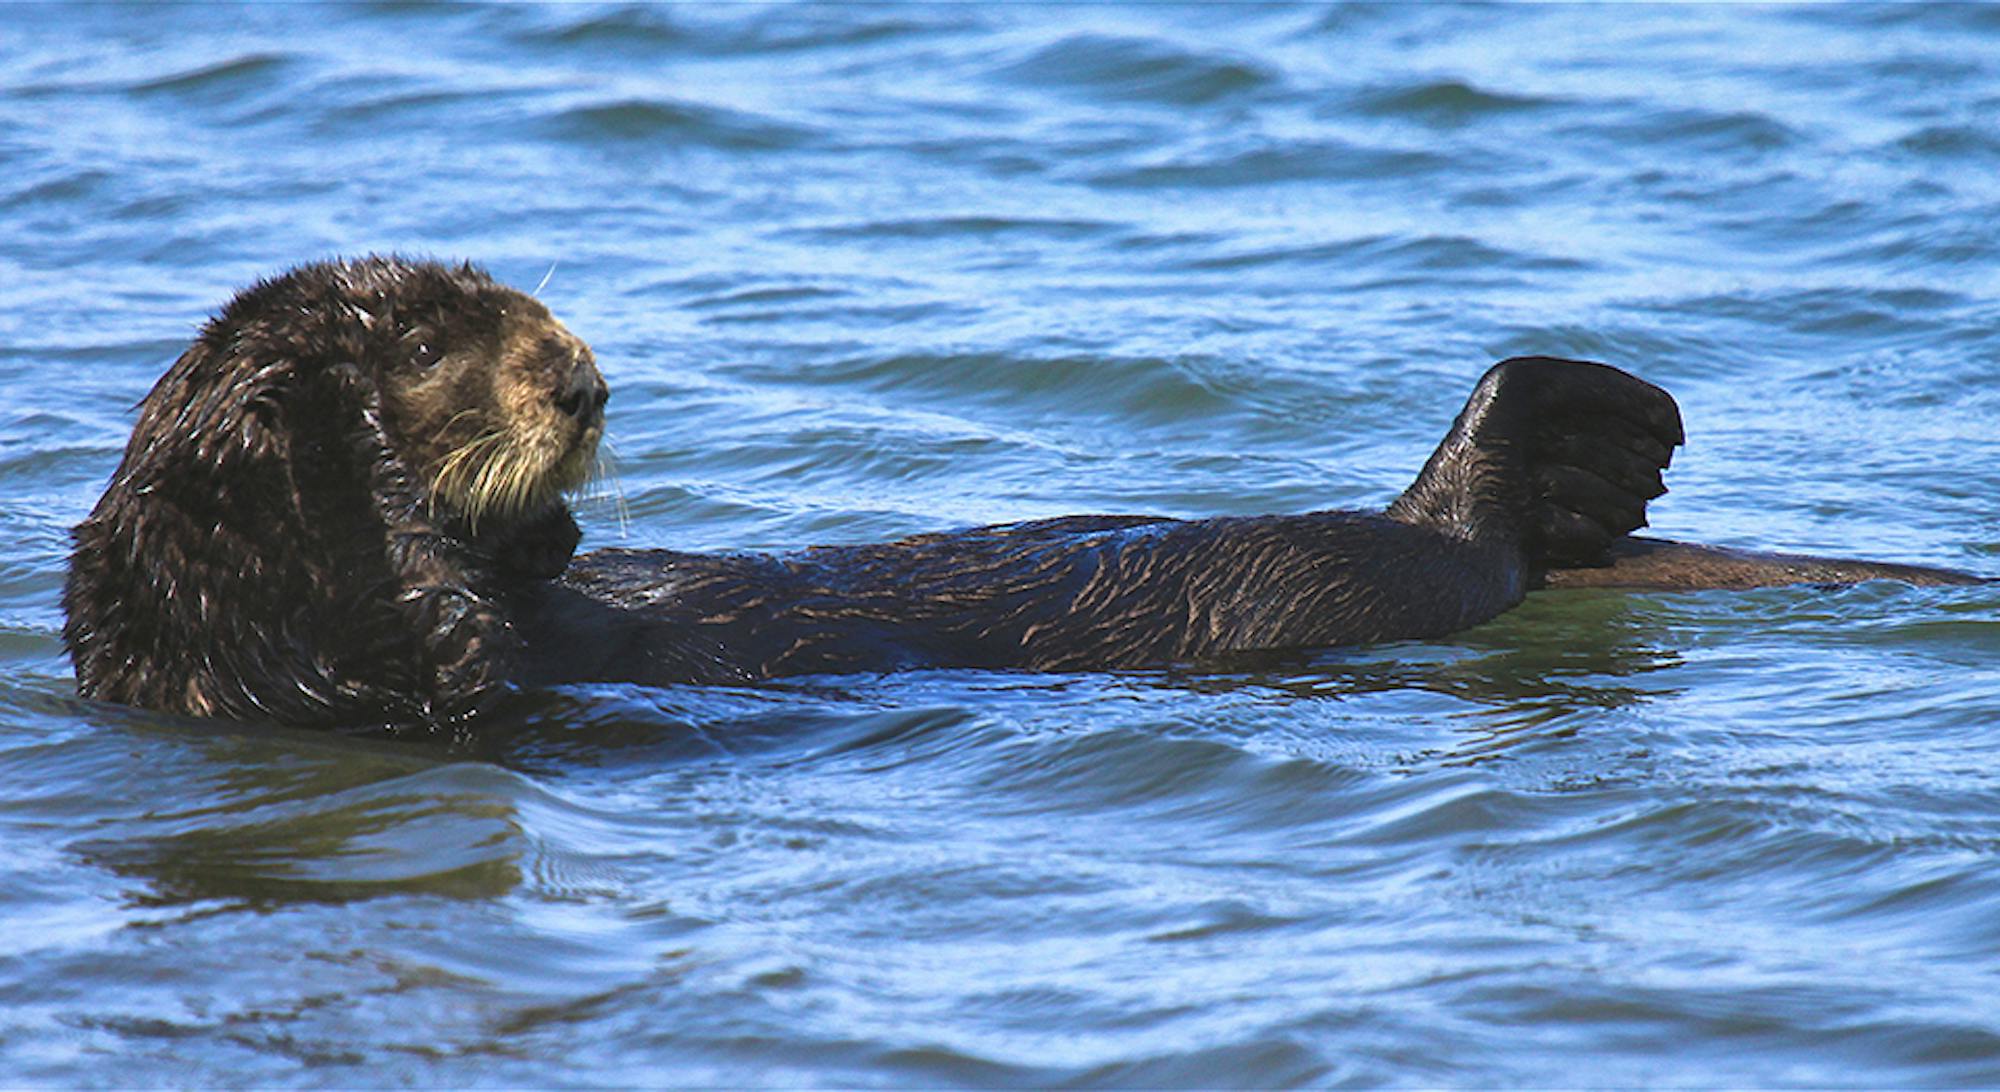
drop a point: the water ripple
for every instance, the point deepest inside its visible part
(655, 121)
(864, 271)
(221, 81)
(1136, 69)
(1448, 103)
(1290, 162)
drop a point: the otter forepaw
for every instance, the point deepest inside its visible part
(541, 549)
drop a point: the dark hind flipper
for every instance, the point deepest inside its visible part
(1560, 456)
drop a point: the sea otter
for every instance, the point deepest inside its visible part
(345, 504)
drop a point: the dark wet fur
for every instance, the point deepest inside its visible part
(1056, 595)
(265, 550)
(268, 549)
(1549, 463)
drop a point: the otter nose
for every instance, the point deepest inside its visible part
(583, 397)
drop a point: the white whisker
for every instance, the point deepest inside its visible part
(603, 484)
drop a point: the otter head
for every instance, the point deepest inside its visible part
(329, 498)
(494, 405)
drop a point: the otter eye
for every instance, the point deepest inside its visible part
(425, 355)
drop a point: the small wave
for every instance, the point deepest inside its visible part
(1277, 1062)
(218, 80)
(1746, 133)
(633, 28)
(664, 122)
(446, 830)
(1290, 161)
(928, 736)
(766, 296)
(1975, 19)
(1192, 781)
(770, 303)
(1136, 388)
(645, 31)
(1959, 142)
(373, 106)
(1417, 813)
(1932, 246)
(1446, 103)
(61, 191)
(831, 28)
(1138, 69)
(936, 227)
(1849, 312)
(1430, 252)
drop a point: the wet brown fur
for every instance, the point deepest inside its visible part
(344, 504)
(1664, 565)
(291, 533)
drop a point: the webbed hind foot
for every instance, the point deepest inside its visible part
(1558, 455)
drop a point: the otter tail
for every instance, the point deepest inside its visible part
(1681, 566)
(1558, 455)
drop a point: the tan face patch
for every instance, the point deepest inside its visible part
(486, 425)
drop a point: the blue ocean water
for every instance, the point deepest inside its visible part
(860, 271)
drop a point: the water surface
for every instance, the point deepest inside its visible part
(856, 272)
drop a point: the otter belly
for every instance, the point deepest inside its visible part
(1056, 595)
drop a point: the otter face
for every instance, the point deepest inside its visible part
(499, 408)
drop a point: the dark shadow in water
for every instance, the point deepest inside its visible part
(214, 814)
(260, 816)
(1557, 655)
(218, 816)
(317, 856)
